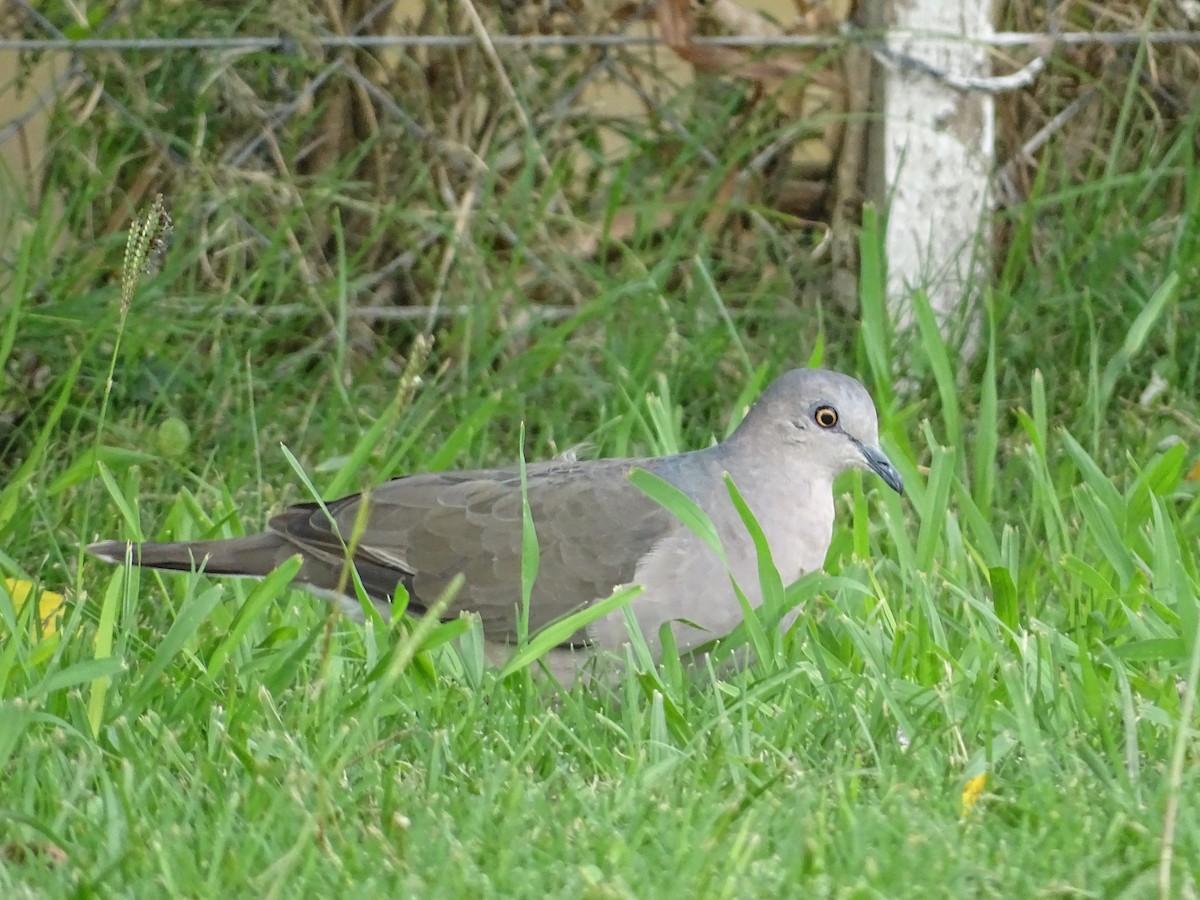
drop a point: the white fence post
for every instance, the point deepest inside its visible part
(932, 152)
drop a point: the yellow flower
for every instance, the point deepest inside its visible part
(50, 604)
(971, 791)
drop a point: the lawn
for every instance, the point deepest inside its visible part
(990, 690)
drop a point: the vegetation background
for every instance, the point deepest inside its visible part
(394, 259)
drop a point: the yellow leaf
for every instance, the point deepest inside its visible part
(1193, 474)
(971, 791)
(50, 604)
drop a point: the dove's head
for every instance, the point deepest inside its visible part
(827, 417)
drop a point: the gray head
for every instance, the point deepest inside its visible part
(828, 415)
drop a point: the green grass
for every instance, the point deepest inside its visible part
(1030, 611)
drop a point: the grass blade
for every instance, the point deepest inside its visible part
(555, 633)
(268, 589)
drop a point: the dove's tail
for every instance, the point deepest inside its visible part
(254, 556)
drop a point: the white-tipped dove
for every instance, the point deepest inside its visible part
(596, 531)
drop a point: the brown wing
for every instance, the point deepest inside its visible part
(592, 526)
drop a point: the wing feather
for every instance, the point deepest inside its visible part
(593, 527)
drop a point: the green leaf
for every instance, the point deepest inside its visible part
(987, 428)
(746, 396)
(555, 633)
(1153, 650)
(84, 468)
(1089, 576)
(934, 346)
(933, 508)
(187, 623)
(1135, 337)
(666, 419)
(530, 551)
(875, 324)
(770, 580)
(767, 645)
(1094, 477)
(132, 523)
(445, 632)
(117, 587)
(735, 333)
(1101, 526)
(474, 422)
(270, 588)
(681, 506)
(93, 670)
(18, 481)
(1004, 597)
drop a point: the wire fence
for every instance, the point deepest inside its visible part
(881, 44)
(788, 181)
(847, 35)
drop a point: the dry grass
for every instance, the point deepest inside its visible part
(396, 168)
(618, 141)
(1103, 110)
(406, 184)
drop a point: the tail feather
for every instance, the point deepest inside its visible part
(256, 555)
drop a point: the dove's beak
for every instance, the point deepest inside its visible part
(878, 463)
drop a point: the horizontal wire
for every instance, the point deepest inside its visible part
(450, 41)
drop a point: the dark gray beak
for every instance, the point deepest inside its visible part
(878, 463)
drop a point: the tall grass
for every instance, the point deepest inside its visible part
(1027, 613)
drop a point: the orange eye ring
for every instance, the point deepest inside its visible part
(825, 416)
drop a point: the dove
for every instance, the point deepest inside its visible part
(596, 530)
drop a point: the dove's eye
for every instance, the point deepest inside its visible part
(825, 416)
